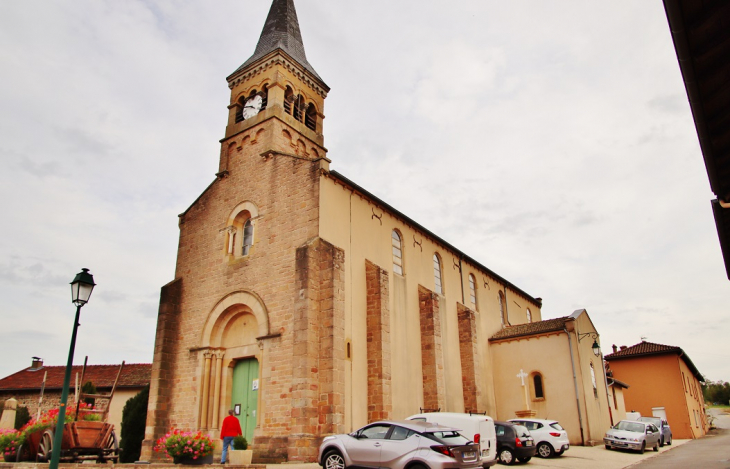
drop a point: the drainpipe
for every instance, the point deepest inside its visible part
(575, 383)
(605, 381)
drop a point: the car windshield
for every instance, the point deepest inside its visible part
(630, 426)
(521, 431)
(655, 420)
(450, 438)
(556, 426)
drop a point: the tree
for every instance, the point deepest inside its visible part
(22, 416)
(134, 419)
(89, 388)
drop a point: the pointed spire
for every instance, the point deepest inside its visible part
(281, 31)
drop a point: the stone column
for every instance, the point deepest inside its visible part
(432, 364)
(469, 352)
(378, 343)
(205, 398)
(217, 387)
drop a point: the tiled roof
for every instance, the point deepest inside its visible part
(133, 375)
(532, 328)
(644, 349)
(281, 31)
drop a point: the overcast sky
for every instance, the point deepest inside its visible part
(550, 140)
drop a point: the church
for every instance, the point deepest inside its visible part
(310, 306)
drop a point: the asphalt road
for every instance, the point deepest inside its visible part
(710, 452)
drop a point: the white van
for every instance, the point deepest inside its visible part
(478, 428)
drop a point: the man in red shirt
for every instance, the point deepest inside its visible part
(230, 429)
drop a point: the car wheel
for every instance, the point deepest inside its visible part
(643, 447)
(661, 442)
(608, 446)
(524, 459)
(544, 450)
(670, 440)
(418, 466)
(656, 446)
(333, 460)
(506, 456)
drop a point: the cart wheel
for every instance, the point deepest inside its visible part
(45, 447)
(110, 452)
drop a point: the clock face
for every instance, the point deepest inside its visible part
(252, 107)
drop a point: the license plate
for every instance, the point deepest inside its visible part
(528, 443)
(469, 455)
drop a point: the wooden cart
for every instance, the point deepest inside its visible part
(82, 440)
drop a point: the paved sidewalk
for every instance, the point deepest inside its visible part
(595, 457)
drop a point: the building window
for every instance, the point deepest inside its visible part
(593, 381)
(473, 290)
(397, 246)
(437, 274)
(502, 310)
(247, 237)
(529, 315)
(310, 117)
(537, 386)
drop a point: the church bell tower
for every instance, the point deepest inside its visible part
(278, 88)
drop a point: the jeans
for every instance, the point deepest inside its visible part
(227, 441)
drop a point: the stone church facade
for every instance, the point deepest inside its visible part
(301, 300)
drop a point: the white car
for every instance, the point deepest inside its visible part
(477, 427)
(550, 438)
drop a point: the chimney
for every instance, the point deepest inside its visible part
(615, 349)
(623, 347)
(37, 363)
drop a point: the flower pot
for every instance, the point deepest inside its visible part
(240, 457)
(189, 461)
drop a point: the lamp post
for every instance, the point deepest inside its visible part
(81, 288)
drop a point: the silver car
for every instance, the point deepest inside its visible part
(629, 434)
(663, 426)
(411, 444)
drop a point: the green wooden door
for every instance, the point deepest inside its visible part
(244, 395)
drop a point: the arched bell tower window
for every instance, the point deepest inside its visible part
(473, 290)
(529, 315)
(298, 108)
(310, 118)
(252, 104)
(288, 100)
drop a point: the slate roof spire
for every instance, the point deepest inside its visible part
(281, 31)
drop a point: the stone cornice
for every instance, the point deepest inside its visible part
(279, 58)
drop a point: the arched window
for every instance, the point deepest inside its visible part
(502, 311)
(240, 230)
(473, 290)
(298, 108)
(288, 99)
(310, 118)
(437, 274)
(593, 380)
(537, 387)
(397, 253)
(247, 237)
(529, 315)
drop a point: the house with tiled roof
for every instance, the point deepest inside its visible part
(553, 369)
(25, 385)
(664, 383)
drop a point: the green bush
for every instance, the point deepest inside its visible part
(22, 416)
(134, 419)
(89, 388)
(240, 442)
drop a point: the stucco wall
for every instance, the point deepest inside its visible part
(657, 381)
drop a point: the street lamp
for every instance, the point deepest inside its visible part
(595, 347)
(81, 288)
